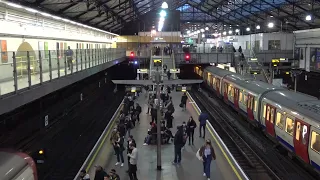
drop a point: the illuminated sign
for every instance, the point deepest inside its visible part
(142, 71)
(174, 70)
(157, 60)
(255, 72)
(253, 59)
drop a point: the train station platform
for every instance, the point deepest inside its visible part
(190, 168)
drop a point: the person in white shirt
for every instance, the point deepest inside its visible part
(133, 162)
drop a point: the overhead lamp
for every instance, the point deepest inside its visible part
(224, 25)
(308, 18)
(230, 32)
(163, 13)
(224, 33)
(14, 5)
(45, 14)
(237, 30)
(248, 29)
(198, 31)
(164, 5)
(188, 32)
(270, 25)
(258, 27)
(203, 35)
(202, 30)
(206, 28)
(31, 10)
(161, 19)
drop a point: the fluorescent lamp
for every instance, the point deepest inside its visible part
(31, 10)
(207, 28)
(202, 30)
(308, 18)
(248, 29)
(14, 5)
(163, 13)
(258, 27)
(224, 33)
(237, 30)
(230, 32)
(270, 25)
(164, 5)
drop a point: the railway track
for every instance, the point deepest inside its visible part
(249, 161)
(277, 165)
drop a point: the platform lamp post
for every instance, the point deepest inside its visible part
(295, 73)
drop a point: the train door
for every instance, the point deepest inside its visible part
(301, 139)
(236, 98)
(269, 120)
(225, 92)
(250, 101)
(218, 86)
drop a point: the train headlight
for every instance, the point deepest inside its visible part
(41, 152)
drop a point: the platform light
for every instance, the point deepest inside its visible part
(248, 29)
(270, 25)
(224, 33)
(198, 31)
(41, 152)
(31, 10)
(203, 35)
(188, 32)
(207, 28)
(237, 30)
(164, 5)
(308, 18)
(135, 62)
(202, 30)
(230, 32)
(163, 13)
(258, 27)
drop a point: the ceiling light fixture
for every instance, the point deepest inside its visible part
(271, 25)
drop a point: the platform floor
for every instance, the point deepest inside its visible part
(190, 169)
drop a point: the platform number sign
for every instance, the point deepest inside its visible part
(46, 121)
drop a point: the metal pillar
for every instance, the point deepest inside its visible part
(158, 79)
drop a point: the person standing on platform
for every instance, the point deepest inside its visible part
(153, 113)
(133, 162)
(207, 154)
(130, 141)
(168, 117)
(69, 55)
(113, 138)
(178, 143)
(119, 150)
(184, 99)
(191, 125)
(100, 173)
(203, 121)
(138, 112)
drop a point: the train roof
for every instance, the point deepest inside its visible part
(300, 103)
(222, 72)
(10, 165)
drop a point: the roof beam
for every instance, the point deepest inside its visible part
(134, 7)
(91, 9)
(114, 14)
(304, 9)
(67, 7)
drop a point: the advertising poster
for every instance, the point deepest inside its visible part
(3, 50)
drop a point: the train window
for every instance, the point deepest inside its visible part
(255, 106)
(298, 130)
(264, 111)
(240, 96)
(315, 141)
(249, 102)
(305, 134)
(268, 113)
(289, 126)
(272, 115)
(252, 102)
(279, 120)
(245, 99)
(232, 91)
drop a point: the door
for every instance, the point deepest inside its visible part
(270, 119)
(301, 139)
(250, 100)
(236, 98)
(225, 92)
(218, 86)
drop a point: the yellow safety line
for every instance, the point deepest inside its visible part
(102, 142)
(219, 145)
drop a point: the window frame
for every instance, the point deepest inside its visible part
(311, 144)
(240, 96)
(282, 116)
(293, 120)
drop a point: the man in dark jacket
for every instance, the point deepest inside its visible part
(154, 114)
(178, 143)
(100, 173)
(203, 121)
(138, 111)
(184, 99)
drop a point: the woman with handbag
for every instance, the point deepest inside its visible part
(206, 154)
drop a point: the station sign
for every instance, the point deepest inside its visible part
(183, 88)
(174, 71)
(157, 60)
(253, 59)
(133, 89)
(255, 72)
(142, 71)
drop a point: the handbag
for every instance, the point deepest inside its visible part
(198, 155)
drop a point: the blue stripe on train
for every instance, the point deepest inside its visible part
(315, 165)
(286, 143)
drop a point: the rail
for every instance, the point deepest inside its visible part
(23, 69)
(95, 150)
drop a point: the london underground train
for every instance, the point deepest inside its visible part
(17, 166)
(288, 118)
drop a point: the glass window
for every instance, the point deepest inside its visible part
(232, 91)
(240, 96)
(268, 113)
(252, 102)
(274, 45)
(245, 99)
(249, 102)
(289, 125)
(255, 106)
(264, 111)
(315, 141)
(272, 115)
(298, 131)
(279, 121)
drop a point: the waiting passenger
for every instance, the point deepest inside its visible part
(185, 134)
(178, 143)
(138, 111)
(184, 99)
(119, 150)
(113, 175)
(121, 128)
(133, 162)
(130, 140)
(207, 154)
(168, 117)
(153, 114)
(100, 173)
(191, 125)
(69, 55)
(84, 175)
(203, 121)
(128, 124)
(114, 137)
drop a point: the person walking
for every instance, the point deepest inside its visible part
(207, 154)
(178, 143)
(184, 99)
(133, 162)
(191, 125)
(203, 121)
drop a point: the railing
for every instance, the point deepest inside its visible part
(205, 58)
(20, 70)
